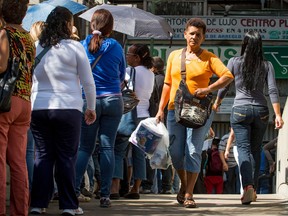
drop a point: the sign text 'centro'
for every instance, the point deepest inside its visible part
(234, 28)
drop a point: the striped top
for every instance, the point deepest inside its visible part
(231, 162)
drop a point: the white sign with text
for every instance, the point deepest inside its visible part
(234, 28)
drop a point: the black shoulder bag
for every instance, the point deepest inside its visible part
(8, 79)
(190, 111)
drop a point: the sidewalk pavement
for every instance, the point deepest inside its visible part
(166, 205)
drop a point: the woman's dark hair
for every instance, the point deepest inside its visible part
(56, 27)
(196, 22)
(143, 52)
(253, 65)
(13, 11)
(102, 21)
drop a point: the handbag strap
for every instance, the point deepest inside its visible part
(40, 55)
(183, 65)
(96, 61)
(132, 78)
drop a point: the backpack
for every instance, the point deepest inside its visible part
(156, 95)
(215, 163)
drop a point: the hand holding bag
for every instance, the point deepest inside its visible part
(8, 79)
(190, 111)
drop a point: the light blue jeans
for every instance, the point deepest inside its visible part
(249, 124)
(186, 143)
(109, 112)
(128, 124)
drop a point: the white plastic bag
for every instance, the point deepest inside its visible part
(147, 136)
(161, 158)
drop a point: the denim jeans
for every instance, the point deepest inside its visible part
(186, 143)
(128, 124)
(109, 111)
(91, 173)
(164, 179)
(30, 154)
(249, 124)
(232, 182)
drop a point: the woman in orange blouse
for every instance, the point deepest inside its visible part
(186, 143)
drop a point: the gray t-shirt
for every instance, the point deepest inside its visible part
(231, 162)
(255, 97)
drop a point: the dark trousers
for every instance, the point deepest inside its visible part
(165, 180)
(56, 134)
(232, 181)
(150, 173)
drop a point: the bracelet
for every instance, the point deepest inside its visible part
(217, 104)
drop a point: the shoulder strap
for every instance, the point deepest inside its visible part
(40, 55)
(183, 65)
(132, 77)
(96, 61)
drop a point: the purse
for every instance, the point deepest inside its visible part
(8, 79)
(190, 111)
(130, 100)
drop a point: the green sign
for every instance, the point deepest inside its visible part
(279, 58)
(278, 55)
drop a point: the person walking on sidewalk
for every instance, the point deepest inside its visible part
(186, 148)
(250, 114)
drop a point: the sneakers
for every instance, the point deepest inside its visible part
(69, 212)
(105, 202)
(248, 195)
(82, 198)
(146, 191)
(37, 211)
(166, 192)
(86, 193)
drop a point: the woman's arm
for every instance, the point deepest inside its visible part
(220, 83)
(4, 50)
(269, 146)
(229, 143)
(278, 118)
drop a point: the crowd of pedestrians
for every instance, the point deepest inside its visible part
(67, 119)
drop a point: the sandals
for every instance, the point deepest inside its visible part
(189, 203)
(181, 197)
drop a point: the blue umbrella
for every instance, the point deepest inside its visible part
(40, 12)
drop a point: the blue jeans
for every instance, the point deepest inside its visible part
(128, 124)
(90, 173)
(30, 157)
(249, 124)
(109, 111)
(186, 143)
